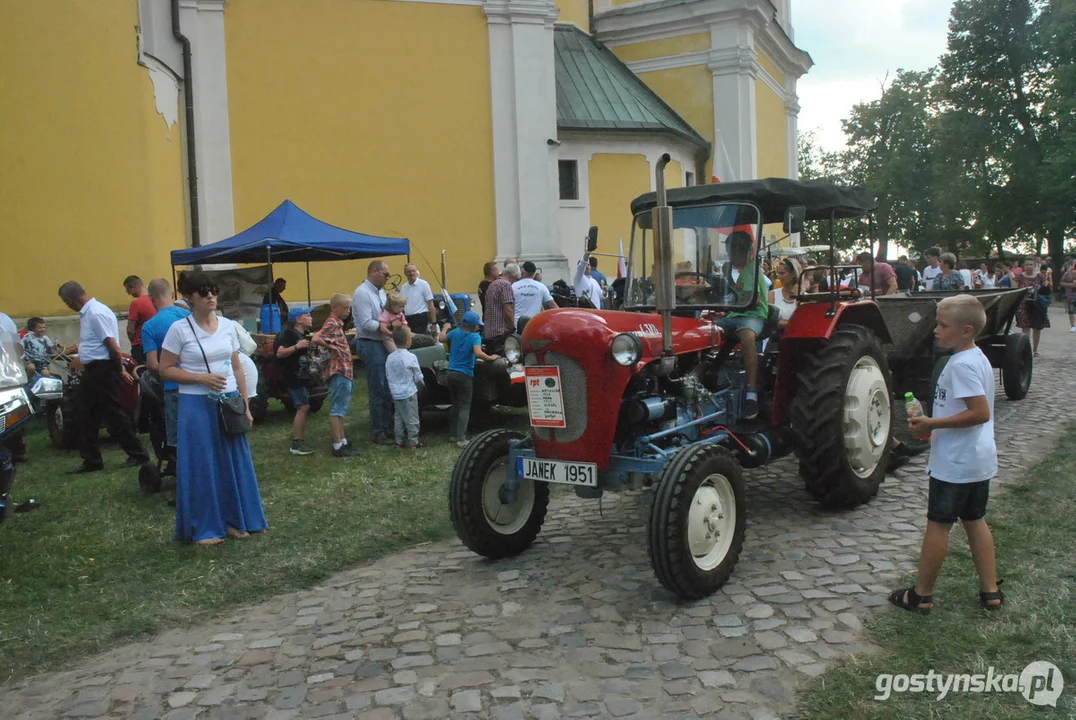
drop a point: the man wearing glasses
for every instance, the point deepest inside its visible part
(366, 305)
(99, 396)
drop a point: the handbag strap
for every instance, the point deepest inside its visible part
(195, 333)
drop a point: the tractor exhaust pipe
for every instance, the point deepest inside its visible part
(664, 284)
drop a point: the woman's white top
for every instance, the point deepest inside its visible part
(219, 348)
(786, 307)
(989, 281)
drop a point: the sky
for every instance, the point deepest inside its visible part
(854, 43)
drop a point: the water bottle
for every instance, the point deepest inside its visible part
(914, 408)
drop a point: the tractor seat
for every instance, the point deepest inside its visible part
(771, 324)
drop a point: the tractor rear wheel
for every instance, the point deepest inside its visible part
(482, 521)
(697, 521)
(1016, 366)
(841, 418)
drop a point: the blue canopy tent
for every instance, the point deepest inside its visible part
(290, 235)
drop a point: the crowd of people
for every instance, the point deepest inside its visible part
(941, 272)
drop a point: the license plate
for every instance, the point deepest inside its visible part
(544, 396)
(558, 471)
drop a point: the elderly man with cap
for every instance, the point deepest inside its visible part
(531, 296)
(420, 311)
(289, 349)
(103, 371)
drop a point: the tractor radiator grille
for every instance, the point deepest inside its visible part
(574, 394)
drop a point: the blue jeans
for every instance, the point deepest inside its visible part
(339, 396)
(373, 356)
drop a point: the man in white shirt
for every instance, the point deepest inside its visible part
(420, 311)
(531, 296)
(586, 286)
(933, 269)
(366, 305)
(98, 398)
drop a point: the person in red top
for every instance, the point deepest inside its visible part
(885, 277)
(141, 310)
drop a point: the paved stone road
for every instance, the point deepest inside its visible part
(575, 627)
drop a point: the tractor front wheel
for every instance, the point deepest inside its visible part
(482, 520)
(841, 418)
(61, 417)
(259, 404)
(697, 521)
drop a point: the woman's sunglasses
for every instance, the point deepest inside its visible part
(207, 290)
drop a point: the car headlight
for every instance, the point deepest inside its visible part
(627, 349)
(513, 349)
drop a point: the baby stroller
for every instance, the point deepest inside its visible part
(150, 474)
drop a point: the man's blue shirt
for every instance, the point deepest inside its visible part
(156, 328)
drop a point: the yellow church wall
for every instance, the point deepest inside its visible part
(576, 12)
(694, 42)
(770, 67)
(384, 132)
(616, 180)
(771, 131)
(91, 176)
(690, 92)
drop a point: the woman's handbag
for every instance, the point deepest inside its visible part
(232, 411)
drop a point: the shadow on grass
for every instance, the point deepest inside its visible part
(1034, 525)
(97, 566)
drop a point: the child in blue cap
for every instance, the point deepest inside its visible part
(464, 345)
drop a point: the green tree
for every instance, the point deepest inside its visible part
(817, 163)
(1004, 77)
(890, 151)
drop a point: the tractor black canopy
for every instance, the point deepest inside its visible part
(773, 196)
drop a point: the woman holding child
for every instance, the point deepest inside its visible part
(217, 494)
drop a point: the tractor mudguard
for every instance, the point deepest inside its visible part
(818, 320)
(813, 321)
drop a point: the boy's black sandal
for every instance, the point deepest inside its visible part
(914, 602)
(986, 597)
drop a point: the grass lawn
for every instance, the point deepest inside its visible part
(96, 566)
(1034, 528)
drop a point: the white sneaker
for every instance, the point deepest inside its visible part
(1072, 329)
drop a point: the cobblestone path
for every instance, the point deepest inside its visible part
(575, 627)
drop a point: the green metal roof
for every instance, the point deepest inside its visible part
(596, 91)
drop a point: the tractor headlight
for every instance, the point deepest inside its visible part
(513, 350)
(627, 349)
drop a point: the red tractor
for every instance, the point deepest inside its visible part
(654, 393)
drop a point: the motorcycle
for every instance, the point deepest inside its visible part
(16, 409)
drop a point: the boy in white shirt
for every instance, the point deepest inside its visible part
(963, 456)
(405, 380)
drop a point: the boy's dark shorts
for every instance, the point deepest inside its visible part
(949, 502)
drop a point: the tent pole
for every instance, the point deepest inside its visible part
(308, 301)
(175, 290)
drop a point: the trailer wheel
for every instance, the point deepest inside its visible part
(1016, 366)
(485, 524)
(61, 417)
(697, 521)
(841, 418)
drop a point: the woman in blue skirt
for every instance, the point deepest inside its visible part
(216, 490)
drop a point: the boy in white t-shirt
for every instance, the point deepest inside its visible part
(963, 456)
(405, 381)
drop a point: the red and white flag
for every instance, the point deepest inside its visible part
(722, 165)
(621, 263)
